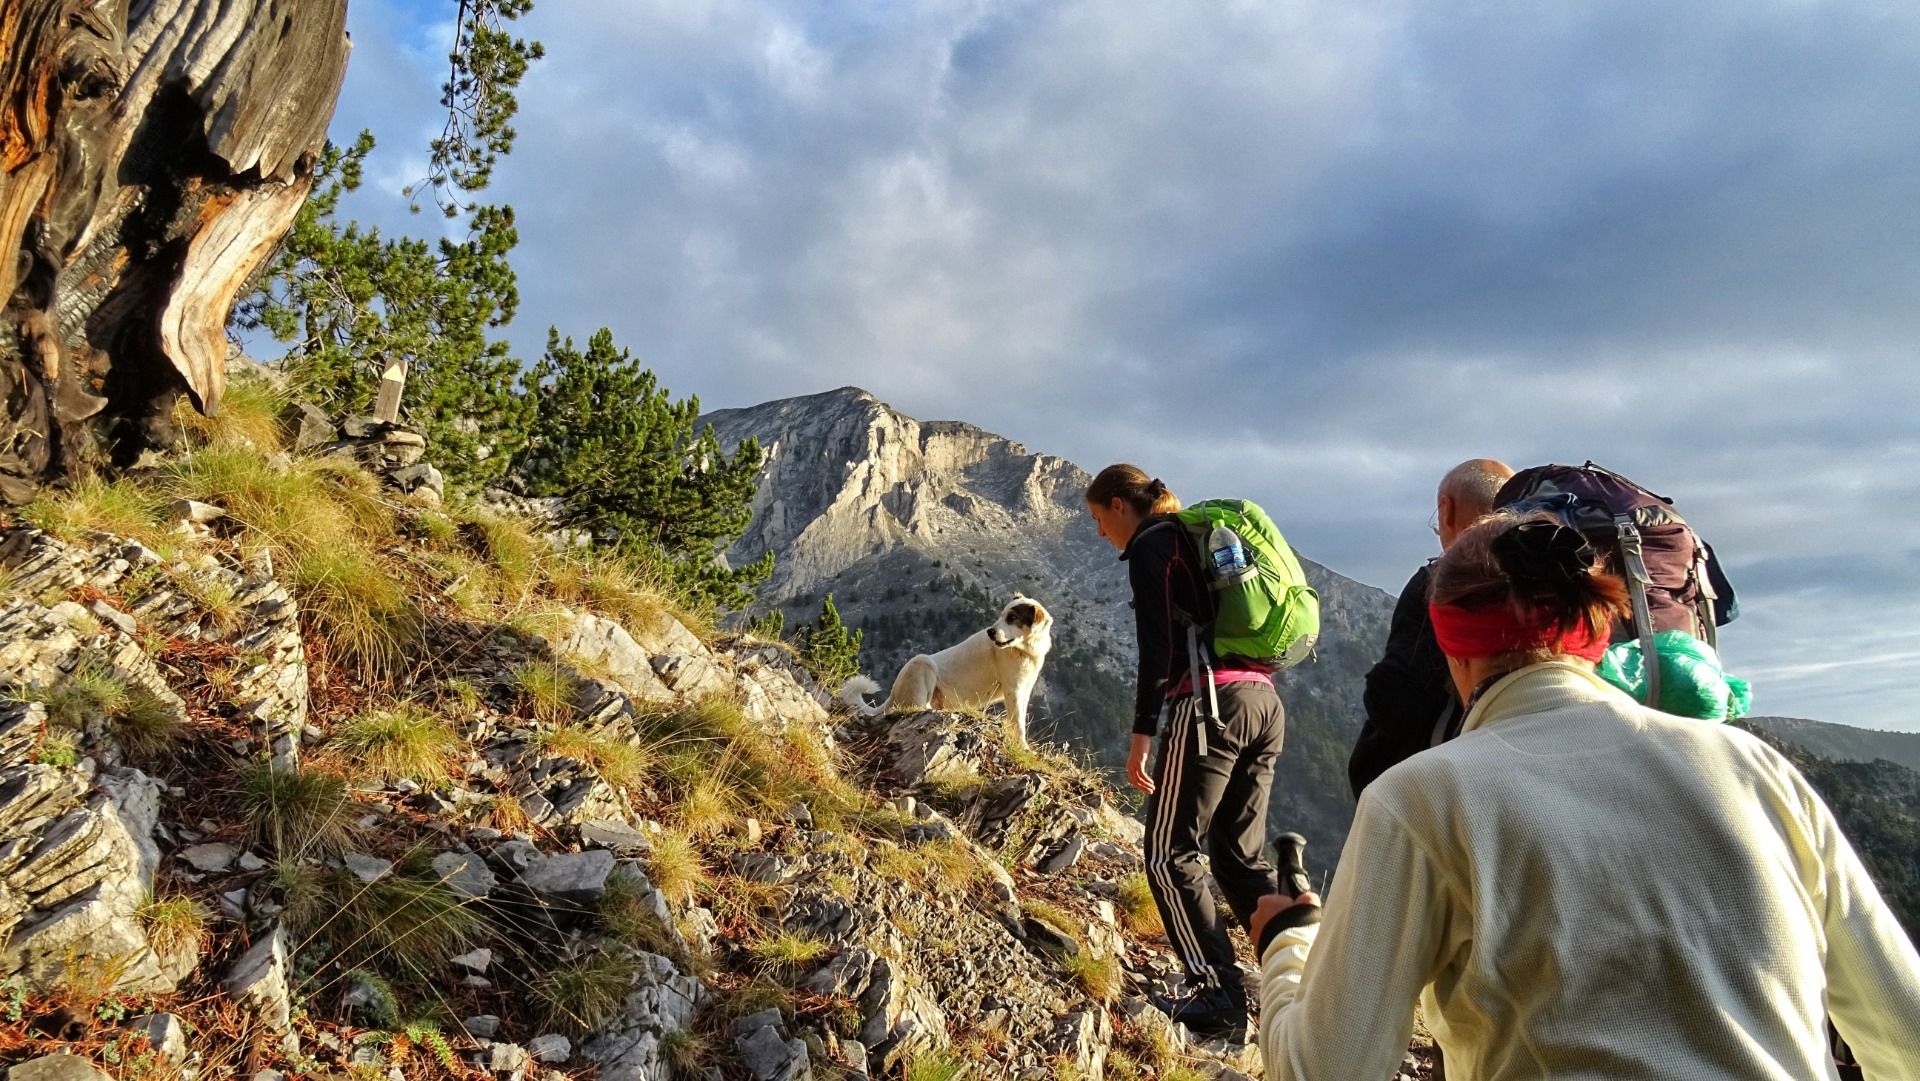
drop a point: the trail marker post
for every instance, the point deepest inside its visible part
(393, 381)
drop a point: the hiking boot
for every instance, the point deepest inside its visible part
(1209, 1011)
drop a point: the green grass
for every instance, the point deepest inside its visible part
(622, 765)
(363, 610)
(1136, 908)
(328, 526)
(215, 597)
(956, 785)
(122, 507)
(581, 990)
(90, 691)
(787, 951)
(1053, 914)
(684, 1053)
(937, 1066)
(545, 689)
(407, 923)
(709, 806)
(304, 812)
(249, 417)
(626, 916)
(518, 558)
(406, 740)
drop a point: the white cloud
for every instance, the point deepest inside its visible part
(1314, 253)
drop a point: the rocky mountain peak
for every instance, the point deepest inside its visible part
(922, 529)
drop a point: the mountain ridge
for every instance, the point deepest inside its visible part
(922, 529)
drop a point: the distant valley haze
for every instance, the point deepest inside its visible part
(1310, 254)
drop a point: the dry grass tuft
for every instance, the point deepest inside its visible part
(304, 812)
(406, 741)
(1137, 910)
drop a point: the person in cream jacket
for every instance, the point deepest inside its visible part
(1580, 887)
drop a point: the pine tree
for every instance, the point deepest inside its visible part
(829, 647)
(636, 468)
(350, 302)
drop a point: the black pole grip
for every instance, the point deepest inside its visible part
(1290, 859)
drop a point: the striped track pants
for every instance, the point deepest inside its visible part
(1216, 804)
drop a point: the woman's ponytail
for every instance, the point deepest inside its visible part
(1131, 485)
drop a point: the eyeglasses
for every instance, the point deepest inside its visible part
(1433, 522)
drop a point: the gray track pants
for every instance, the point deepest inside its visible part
(1219, 802)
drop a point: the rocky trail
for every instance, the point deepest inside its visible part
(568, 831)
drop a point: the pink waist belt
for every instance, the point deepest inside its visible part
(1221, 676)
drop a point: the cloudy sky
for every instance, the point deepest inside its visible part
(1309, 252)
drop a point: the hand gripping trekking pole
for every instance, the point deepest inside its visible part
(1290, 859)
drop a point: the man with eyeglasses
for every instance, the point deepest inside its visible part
(1410, 699)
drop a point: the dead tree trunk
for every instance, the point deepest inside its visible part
(152, 153)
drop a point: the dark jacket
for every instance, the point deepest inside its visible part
(1410, 700)
(1167, 595)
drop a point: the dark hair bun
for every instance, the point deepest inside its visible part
(1156, 488)
(1548, 563)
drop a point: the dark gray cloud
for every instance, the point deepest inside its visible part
(1313, 253)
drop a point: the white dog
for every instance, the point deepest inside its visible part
(999, 664)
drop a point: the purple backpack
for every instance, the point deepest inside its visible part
(1672, 576)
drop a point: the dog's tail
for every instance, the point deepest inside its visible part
(854, 693)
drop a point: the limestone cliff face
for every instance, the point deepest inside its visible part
(922, 529)
(849, 481)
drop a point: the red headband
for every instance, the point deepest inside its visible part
(1465, 633)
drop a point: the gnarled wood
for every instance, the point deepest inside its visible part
(151, 155)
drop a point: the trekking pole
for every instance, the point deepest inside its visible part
(1290, 859)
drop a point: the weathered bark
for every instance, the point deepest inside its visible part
(152, 152)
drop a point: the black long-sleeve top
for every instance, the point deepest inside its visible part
(1409, 691)
(1168, 594)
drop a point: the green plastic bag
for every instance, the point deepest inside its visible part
(1692, 683)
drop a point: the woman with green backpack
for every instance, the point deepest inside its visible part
(1220, 720)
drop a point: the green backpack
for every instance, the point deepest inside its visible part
(1266, 611)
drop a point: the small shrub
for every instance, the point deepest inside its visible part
(582, 990)
(546, 689)
(59, 747)
(829, 648)
(297, 812)
(405, 741)
(381, 1008)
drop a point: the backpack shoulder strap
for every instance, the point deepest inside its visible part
(1635, 566)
